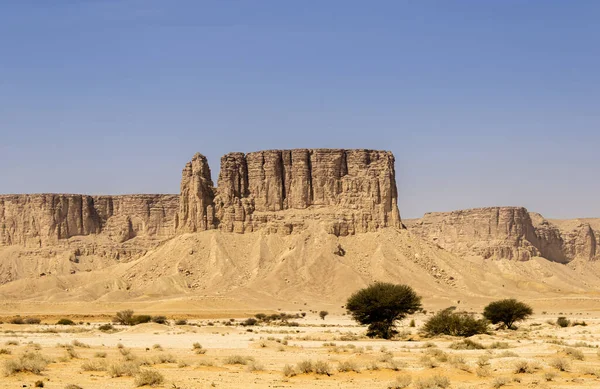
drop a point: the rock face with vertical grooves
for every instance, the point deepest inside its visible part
(508, 233)
(40, 220)
(196, 206)
(349, 191)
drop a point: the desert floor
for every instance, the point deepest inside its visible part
(538, 354)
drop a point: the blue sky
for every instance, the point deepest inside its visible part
(483, 102)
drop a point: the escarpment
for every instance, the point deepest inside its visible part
(509, 233)
(39, 220)
(348, 191)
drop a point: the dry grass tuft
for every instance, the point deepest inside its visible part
(32, 362)
(148, 377)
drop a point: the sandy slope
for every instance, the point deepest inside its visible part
(214, 270)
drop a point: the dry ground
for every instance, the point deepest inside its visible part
(531, 357)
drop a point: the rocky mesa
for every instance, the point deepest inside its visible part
(347, 191)
(509, 233)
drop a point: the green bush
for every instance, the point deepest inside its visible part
(447, 322)
(507, 312)
(380, 305)
(563, 322)
(160, 319)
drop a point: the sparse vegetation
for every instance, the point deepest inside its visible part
(401, 382)
(32, 362)
(466, 344)
(65, 322)
(447, 322)
(323, 314)
(149, 378)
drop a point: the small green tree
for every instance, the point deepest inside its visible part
(507, 312)
(322, 314)
(380, 305)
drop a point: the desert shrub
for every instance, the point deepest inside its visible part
(447, 322)
(65, 322)
(32, 320)
(12, 343)
(524, 367)
(73, 386)
(157, 347)
(5, 351)
(427, 362)
(106, 327)
(141, 319)
(507, 312)
(396, 365)
(100, 354)
(289, 371)
(466, 344)
(579, 323)
(574, 353)
(249, 322)
(32, 362)
(148, 377)
(17, 320)
(198, 349)
(499, 345)
(255, 366)
(237, 360)
(434, 382)
(437, 354)
(70, 352)
(322, 367)
(305, 367)
(121, 369)
(124, 317)
(160, 319)
(164, 358)
(78, 343)
(347, 366)
(380, 305)
(323, 314)
(562, 322)
(39, 384)
(483, 371)
(500, 382)
(93, 366)
(549, 376)
(459, 362)
(180, 322)
(401, 382)
(412, 323)
(560, 364)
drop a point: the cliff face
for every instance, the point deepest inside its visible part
(506, 232)
(40, 220)
(349, 191)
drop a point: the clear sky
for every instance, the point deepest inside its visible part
(483, 102)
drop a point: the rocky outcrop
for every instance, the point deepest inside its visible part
(506, 232)
(349, 191)
(40, 220)
(196, 202)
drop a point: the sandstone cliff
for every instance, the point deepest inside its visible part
(507, 232)
(347, 191)
(40, 220)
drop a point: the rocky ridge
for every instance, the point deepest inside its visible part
(508, 233)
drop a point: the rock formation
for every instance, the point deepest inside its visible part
(40, 220)
(506, 232)
(350, 191)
